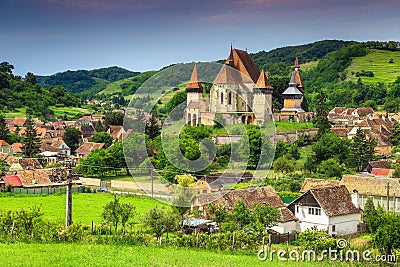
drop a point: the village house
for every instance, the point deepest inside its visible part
(379, 168)
(117, 132)
(88, 147)
(287, 222)
(5, 147)
(17, 149)
(216, 182)
(328, 209)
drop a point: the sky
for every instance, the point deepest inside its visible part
(49, 36)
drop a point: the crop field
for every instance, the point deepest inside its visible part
(85, 206)
(376, 61)
(112, 255)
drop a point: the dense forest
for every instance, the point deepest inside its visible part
(86, 82)
(18, 92)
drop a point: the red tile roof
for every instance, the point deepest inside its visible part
(3, 143)
(296, 62)
(243, 63)
(194, 80)
(16, 147)
(12, 180)
(263, 82)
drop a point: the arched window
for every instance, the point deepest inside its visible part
(229, 98)
(222, 97)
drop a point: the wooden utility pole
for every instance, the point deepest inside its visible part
(68, 203)
(387, 196)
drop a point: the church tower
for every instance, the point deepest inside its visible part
(262, 103)
(194, 88)
(297, 77)
(292, 98)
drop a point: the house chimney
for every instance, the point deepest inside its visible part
(354, 198)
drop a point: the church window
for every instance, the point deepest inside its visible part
(229, 98)
(222, 97)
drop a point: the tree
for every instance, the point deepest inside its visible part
(283, 165)
(281, 149)
(264, 216)
(99, 127)
(4, 132)
(6, 67)
(331, 146)
(394, 136)
(72, 137)
(331, 168)
(152, 129)
(115, 212)
(361, 151)
(30, 78)
(387, 235)
(294, 151)
(370, 215)
(114, 118)
(321, 120)
(159, 221)
(185, 180)
(31, 142)
(240, 216)
(103, 137)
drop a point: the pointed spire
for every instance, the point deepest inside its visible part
(296, 62)
(231, 61)
(194, 83)
(263, 82)
(292, 80)
(194, 77)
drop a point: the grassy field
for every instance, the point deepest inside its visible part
(20, 112)
(71, 112)
(376, 61)
(86, 207)
(111, 255)
(282, 126)
(309, 65)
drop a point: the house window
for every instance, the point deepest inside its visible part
(297, 209)
(317, 211)
(333, 228)
(311, 211)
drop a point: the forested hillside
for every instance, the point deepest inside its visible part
(86, 82)
(17, 92)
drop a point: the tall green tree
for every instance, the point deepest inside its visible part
(263, 216)
(103, 137)
(31, 142)
(72, 137)
(152, 129)
(4, 132)
(362, 150)
(395, 134)
(114, 118)
(321, 120)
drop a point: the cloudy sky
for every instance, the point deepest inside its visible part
(49, 36)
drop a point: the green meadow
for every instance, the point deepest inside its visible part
(85, 206)
(376, 61)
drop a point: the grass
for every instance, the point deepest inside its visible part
(376, 61)
(309, 65)
(112, 255)
(282, 126)
(85, 207)
(19, 112)
(71, 112)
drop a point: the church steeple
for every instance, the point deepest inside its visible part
(263, 82)
(296, 64)
(194, 84)
(231, 61)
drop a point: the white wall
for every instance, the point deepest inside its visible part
(344, 224)
(286, 227)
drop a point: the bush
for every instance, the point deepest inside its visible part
(313, 238)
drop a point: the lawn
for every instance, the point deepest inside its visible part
(282, 126)
(376, 61)
(71, 112)
(86, 206)
(19, 112)
(112, 255)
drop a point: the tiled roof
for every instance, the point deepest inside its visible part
(3, 143)
(16, 147)
(382, 164)
(19, 121)
(296, 62)
(310, 183)
(334, 200)
(12, 180)
(370, 185)
(243, 63)
(194, 82)
(227, 75)
(89, 146)
(286, 215)
(263, 82)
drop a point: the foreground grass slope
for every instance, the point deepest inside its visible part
(85, 207)
(110, 255)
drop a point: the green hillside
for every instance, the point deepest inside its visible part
(128, 86)
(86, 82)
(377, 62)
